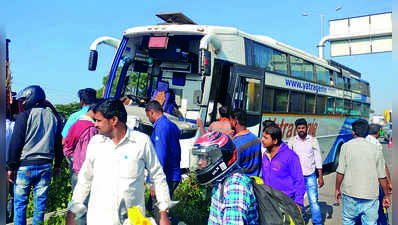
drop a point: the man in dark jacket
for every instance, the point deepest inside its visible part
(35, 142)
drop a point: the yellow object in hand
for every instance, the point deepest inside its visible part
(257, 180)
(136, 217)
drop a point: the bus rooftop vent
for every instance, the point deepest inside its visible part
(175, 18)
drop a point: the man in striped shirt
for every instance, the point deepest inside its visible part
(247, 144)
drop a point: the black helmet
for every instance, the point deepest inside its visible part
(213, 155)
(33, 95)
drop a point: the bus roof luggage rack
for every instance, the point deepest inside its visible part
(175, 18)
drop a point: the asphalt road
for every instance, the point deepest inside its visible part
(331, 212)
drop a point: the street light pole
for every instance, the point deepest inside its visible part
(321, 15)
(321, 18)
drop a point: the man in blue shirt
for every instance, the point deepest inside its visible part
(165, 138)
(87, 97)
(247, 144)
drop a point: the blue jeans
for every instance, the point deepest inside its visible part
(312, 192)
(38, 176)
(357, 208)
(383, 217)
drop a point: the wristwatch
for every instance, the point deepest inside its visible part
(166, 211)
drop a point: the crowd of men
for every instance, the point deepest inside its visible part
(110, 163)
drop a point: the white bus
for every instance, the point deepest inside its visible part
(197, 68)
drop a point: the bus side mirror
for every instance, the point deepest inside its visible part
(205, 62)
(92, 60)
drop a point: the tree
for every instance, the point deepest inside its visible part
(131, 88)
(67, 109)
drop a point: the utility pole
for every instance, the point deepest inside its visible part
(321, 16)
(7, 62)
(8, 77)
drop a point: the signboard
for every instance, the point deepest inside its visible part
(309, 87)
(361, 35)
(158, 42)
(299, 85)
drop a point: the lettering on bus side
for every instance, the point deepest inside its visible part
(289, 129)
(306, 86)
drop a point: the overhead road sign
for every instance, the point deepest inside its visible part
(359, 35)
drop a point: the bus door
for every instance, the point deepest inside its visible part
(219, 95)
(248, 93)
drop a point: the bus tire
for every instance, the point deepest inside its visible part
(335, 164)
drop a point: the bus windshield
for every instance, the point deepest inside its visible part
(158, 68)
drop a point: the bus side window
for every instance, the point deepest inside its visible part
(296, 67)
(365, 110)
(322, 75)
(347, 83)
(332, 78)
(309, 103)
(279, 62)
(268, 99)
(330, 106)
(308, 71)
(281, 100)
(296, 102)
(321, 104)
(339, 106)
(339, 81)
(347, 107)
(356, 109)
(364, 88)
(356, 85)
(247, 94)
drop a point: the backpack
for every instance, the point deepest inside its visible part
(274, 207)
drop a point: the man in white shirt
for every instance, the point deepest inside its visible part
(307, 148)
(113, 172)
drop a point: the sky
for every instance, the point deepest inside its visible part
(50, 39)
